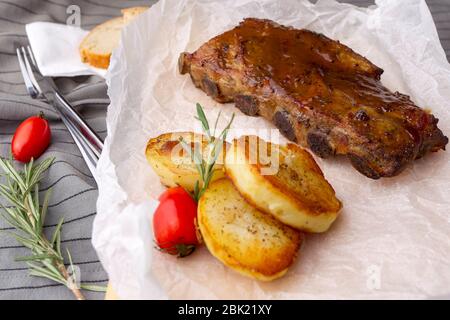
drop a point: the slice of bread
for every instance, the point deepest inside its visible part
(174, 165)
(244, 238)
(284, 181)
(130, 13)
(98, 45)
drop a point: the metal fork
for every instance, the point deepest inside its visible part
(42, 87)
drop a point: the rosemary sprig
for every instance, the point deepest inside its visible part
(214, 146)
(27, 216)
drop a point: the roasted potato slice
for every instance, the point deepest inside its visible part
(242, 237)
(284, 181)
(174, 165)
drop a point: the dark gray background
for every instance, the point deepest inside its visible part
(74, 190)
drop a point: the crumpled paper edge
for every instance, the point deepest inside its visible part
(107, 170)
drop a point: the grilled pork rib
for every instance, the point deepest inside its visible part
(318, 92)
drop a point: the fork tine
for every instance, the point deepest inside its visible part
(31, 71)
(31, 89)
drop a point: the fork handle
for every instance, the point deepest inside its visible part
(86, 132)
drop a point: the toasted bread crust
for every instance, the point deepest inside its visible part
(101, 60)
(130, 13)
(226, 220)
(95, 60)
(88, 54)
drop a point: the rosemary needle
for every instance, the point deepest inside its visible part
(214, 146)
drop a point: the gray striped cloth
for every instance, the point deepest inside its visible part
(74, 190)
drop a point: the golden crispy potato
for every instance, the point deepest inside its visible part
(173, 164)
(284, 181)
(245, 239)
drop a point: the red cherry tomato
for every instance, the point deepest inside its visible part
(174, 222)
(31, 139)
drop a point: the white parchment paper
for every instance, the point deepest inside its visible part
(392, 239)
